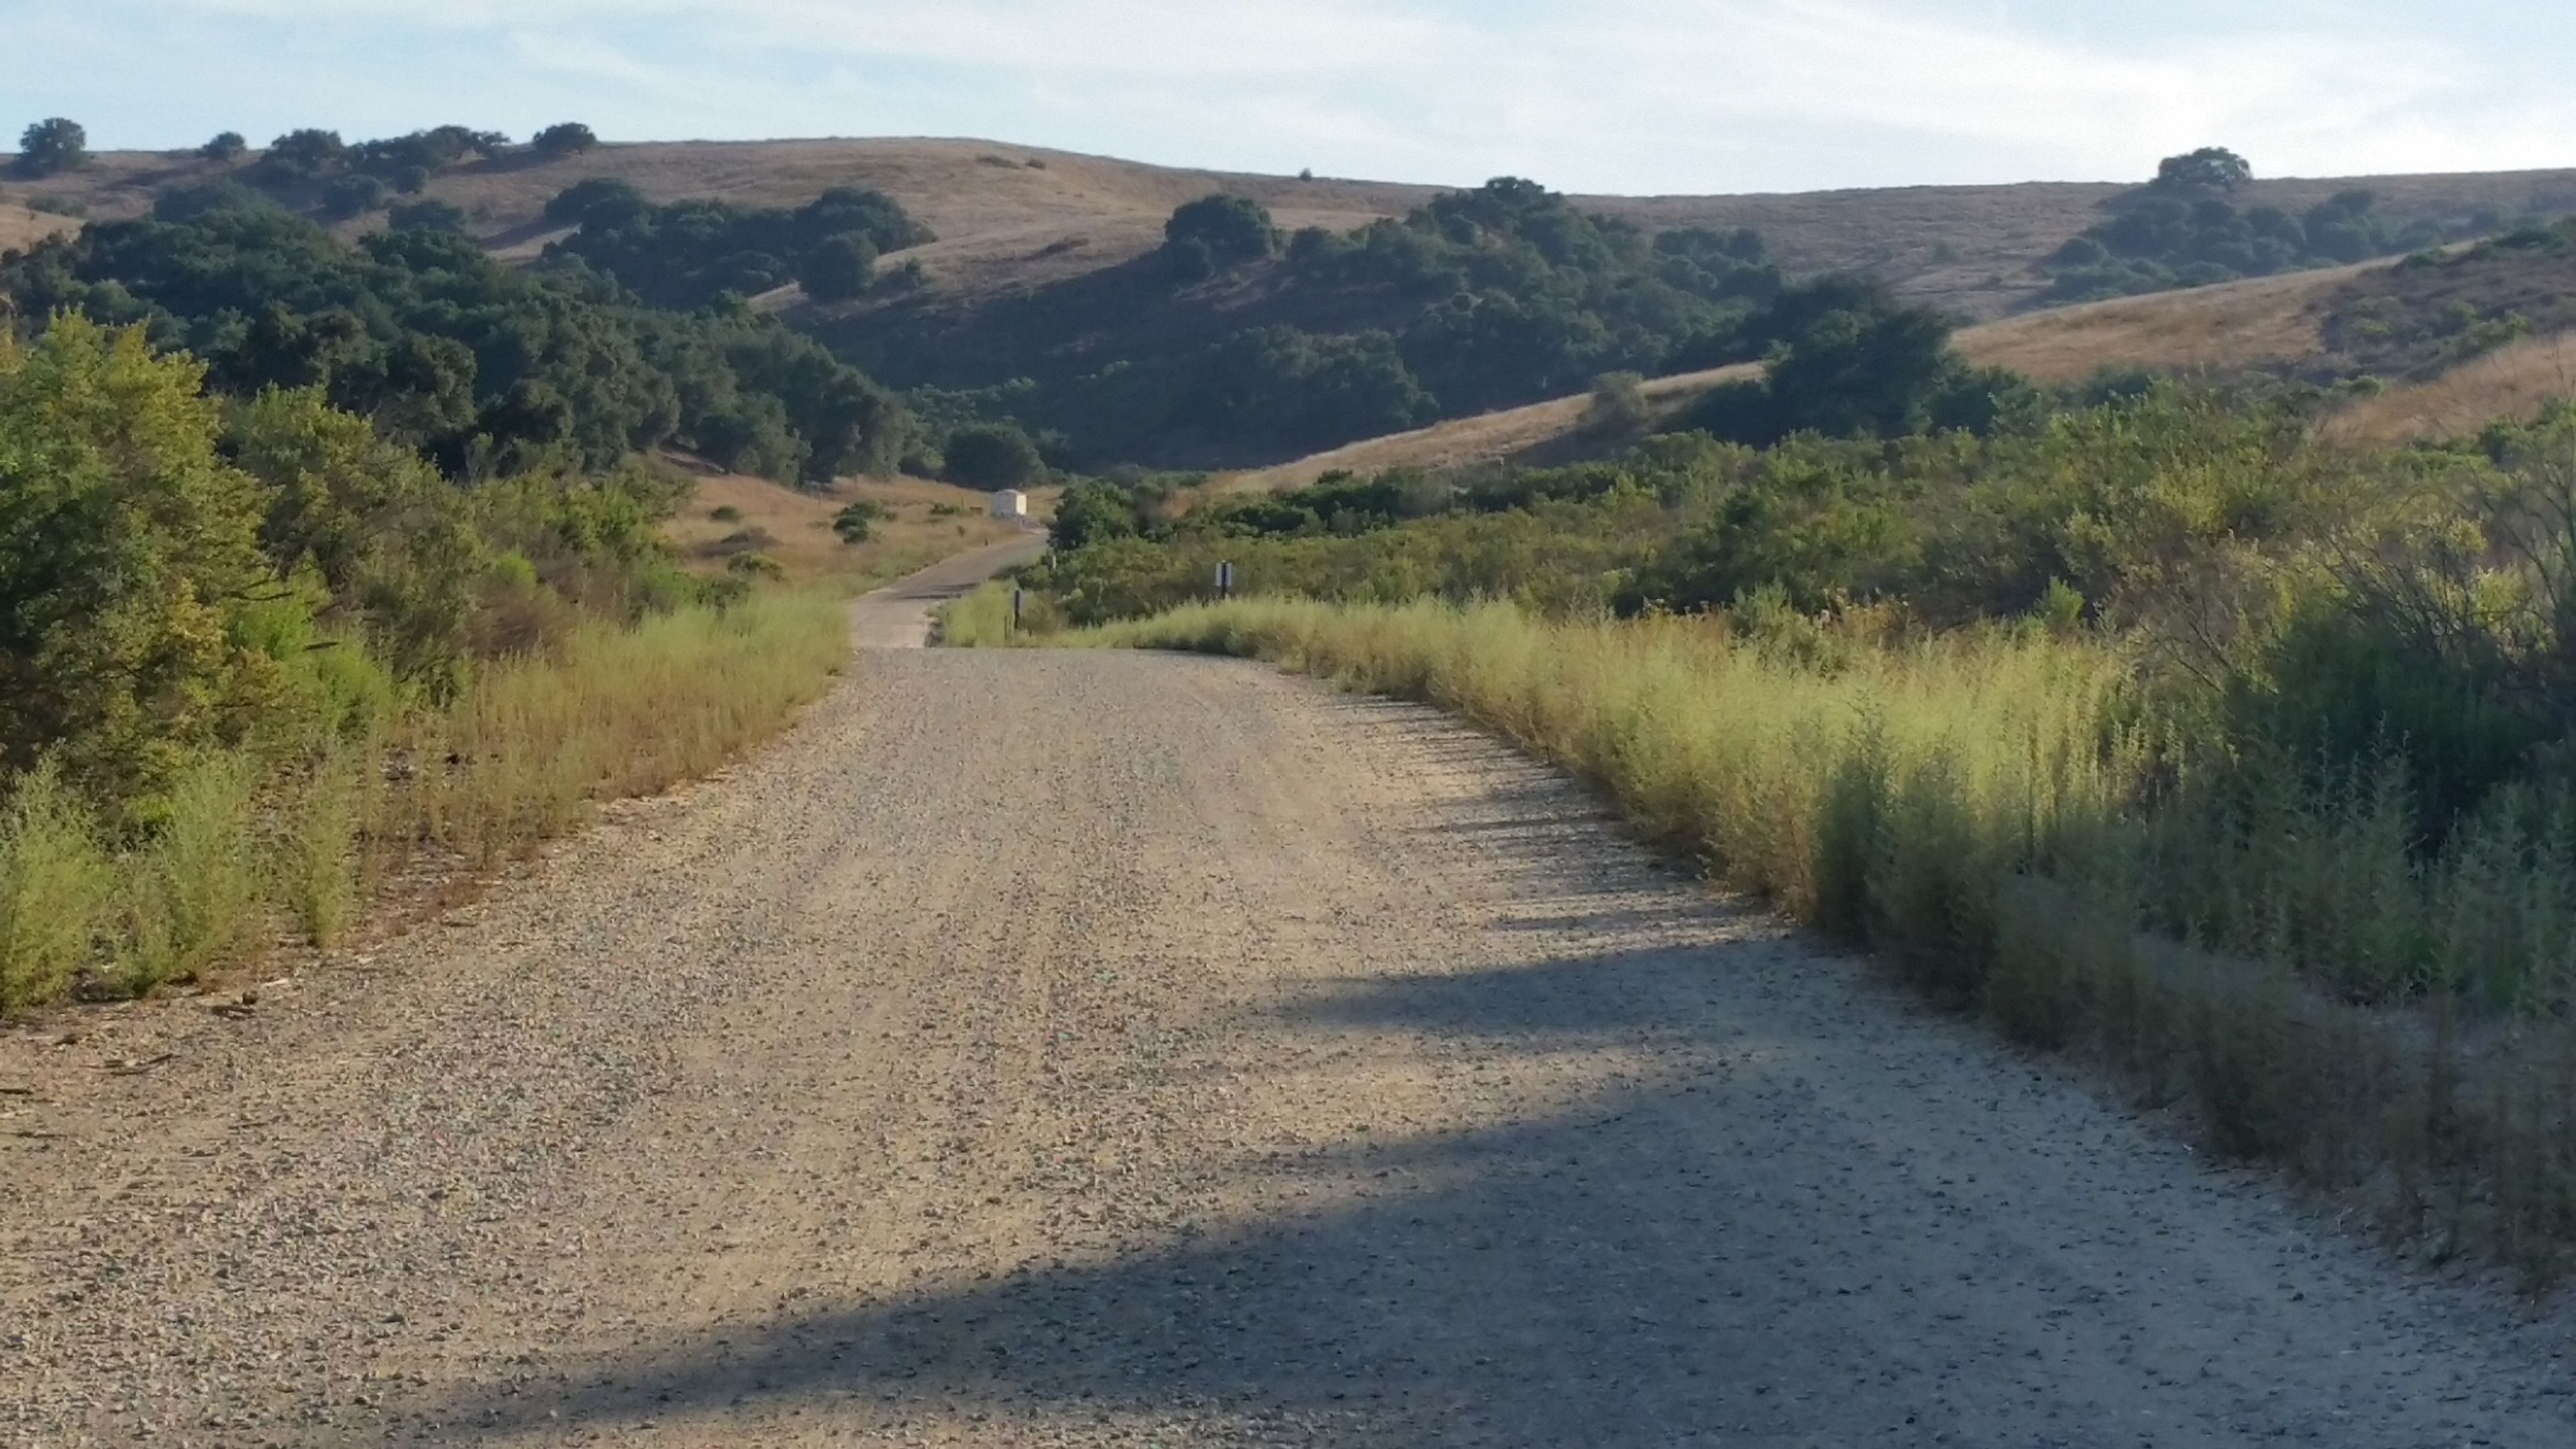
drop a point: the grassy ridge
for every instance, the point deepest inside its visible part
(2309, 992)
(521, 756)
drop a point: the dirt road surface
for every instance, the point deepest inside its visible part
(898, 616)
(1054, 1049)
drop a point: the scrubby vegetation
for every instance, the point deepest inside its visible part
(2436, 310)
(2154, 729)
(255, 656)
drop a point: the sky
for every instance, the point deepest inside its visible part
(1603, 96)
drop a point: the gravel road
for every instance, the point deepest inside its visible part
(1080, 1049)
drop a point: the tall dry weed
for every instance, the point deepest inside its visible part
(55, 884)
(2280, 958)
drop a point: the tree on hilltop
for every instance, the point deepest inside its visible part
(227, 146)
(567, 138)
(50, 146)
(2211, 168)
(308, 152)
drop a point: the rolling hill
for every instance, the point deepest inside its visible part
(2298, 325)
(1014, 217)
(21, 228)
(1039, 253)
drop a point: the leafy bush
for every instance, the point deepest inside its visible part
(227, 146)
(855, 522)
(128, 552)
(1618, 406)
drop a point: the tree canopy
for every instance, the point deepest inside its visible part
(52, 146)
(2161, 240)
(2211, 168)
(993, 456)
(1216, 232)
(481, 367)
(1481, 299)
(688, 253)
(565, 138)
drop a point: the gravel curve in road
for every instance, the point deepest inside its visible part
(1108, 1049)
(898, 616)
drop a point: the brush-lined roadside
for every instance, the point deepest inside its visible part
(248, 852)
(1980, 812)
(262, 667)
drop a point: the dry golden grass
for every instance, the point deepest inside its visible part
(2235, 325)
(795, 527)
(525, 754)
(1005, 223)
(21, 228)
(1956, 806)
(2232, 325)
(2513, 381)
(1510, 435)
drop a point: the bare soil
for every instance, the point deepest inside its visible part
(1077, 1049)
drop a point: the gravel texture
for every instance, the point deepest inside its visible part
(1099, 1049)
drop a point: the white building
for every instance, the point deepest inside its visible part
(1010, 503)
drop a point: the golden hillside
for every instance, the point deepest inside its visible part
(2233, 326)
(1016, 216)
(21, 228)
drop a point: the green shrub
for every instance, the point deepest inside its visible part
(191, 888)
(55, 886)
(317, 861)
(128, 553)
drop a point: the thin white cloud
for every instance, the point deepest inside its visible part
(1625, 94)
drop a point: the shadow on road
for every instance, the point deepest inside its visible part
(1576, 1280)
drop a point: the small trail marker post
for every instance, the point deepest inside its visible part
(1225, 581)
(1017, 597)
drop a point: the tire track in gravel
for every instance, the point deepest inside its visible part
(1057, 1049)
